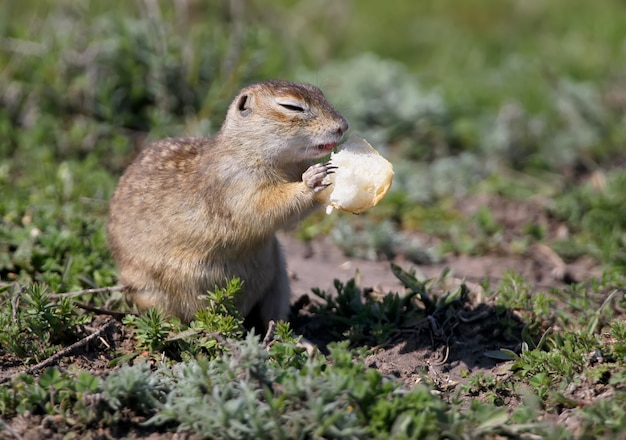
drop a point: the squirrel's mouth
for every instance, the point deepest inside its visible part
(327, 148)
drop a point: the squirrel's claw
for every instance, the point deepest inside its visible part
(314, 176)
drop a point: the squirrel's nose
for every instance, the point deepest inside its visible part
(342, 127)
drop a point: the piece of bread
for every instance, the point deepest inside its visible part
(361, 180)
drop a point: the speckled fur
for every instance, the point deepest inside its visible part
(191, 213)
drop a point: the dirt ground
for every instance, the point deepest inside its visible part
(445, 358)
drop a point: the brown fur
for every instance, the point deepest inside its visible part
(191, 213)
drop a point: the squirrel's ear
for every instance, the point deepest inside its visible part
(243, 105)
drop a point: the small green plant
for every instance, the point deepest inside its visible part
(84, 400)
(220, 314)
(34, 326)
(515, 292)
(285, 351)
(136, 387)
(220, 319)
(366, 319)
(54, 392)
(363, 319)
(605, 418)
(152, 329)
(618, 333)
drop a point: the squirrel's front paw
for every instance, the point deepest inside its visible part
(314, 176)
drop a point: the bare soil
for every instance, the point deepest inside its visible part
(446, 357)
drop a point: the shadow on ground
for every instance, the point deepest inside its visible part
(445, 342)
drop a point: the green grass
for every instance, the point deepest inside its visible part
(521, 103)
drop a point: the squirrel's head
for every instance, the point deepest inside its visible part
(294, 120)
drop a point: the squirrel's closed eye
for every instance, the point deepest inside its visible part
(291, 104)
(292, 107)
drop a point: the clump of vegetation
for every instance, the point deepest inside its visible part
(36, 326)
(367, 319)
(219, 320)
(594, 213)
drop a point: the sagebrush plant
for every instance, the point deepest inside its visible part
(240, 394)
(379, 240)
(52, 393)
(134, 386)
(83, 398)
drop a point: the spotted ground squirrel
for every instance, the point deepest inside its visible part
(191, 213)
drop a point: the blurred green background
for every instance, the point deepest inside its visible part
(523, 101)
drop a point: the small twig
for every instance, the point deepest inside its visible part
(269, 335)
(65, 352)
(117, 288)
(104, 342)
(15, 303)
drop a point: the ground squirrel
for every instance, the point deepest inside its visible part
(191, 213)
